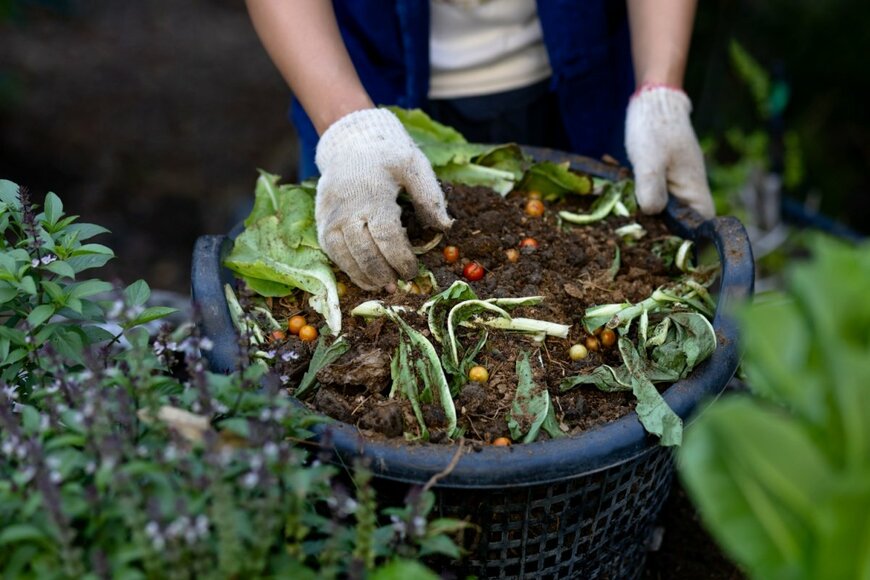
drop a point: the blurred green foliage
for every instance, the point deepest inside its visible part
(816, 51)
(781, 477)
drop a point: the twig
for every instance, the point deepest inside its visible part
(447, 470)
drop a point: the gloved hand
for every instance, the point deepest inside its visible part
(664, 151)
(364, 159)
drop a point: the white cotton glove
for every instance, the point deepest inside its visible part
(365, 159)
(664, 151)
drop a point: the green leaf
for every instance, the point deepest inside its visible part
(7, 293)
(652, 410)
(69, 343)
(439, 544)
(441, 144)
(554, 180)
(604, 377)
(88, 261)
(498, 180)
(53, 208)
(508, 157)
(89, 288)
(28, 285)
(8, 264)
(531, 405)
(428, 368)
(54, 290)
(9, 194)
(404, 380)
(264, 252)
(96, 334)
(599, 210)
(238, 425)
(40, 314)
(16, 533)
(16, 336)
(757, 480)
(437, 307)
(61, 268)
(323, 356)
(86, 231)
(93, 249)
(137, 293)
(293, 205)
(400, 569)
(149, 314)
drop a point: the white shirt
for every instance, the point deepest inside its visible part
(480, 47)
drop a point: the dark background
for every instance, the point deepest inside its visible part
(150, 117)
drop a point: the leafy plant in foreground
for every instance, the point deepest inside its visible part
(121, 456)
(782, 477)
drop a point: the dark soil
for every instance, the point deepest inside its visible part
(570, 268)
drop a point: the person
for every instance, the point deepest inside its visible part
(573, 75)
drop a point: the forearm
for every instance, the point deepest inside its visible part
(302, 39)
(660, 34)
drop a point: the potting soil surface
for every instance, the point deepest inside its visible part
(571, 268)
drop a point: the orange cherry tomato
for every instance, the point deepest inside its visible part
(529, 243)
(451, 254)
(308, 333)
(534, 208)
(295, 323)
(607, 337)
(592, 344)
(501, 442)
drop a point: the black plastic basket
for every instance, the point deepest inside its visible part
(578, 507)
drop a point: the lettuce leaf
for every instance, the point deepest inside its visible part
(278, 250)
(532, 408)
(553, 180)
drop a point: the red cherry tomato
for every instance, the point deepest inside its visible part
(473, 271)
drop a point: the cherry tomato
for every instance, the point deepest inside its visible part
(295, 323)
(501, 442)
(592, 344)
(278, 335)
(529, 243)
(512, 255)
(607, 337)
(534, 208)
(473, 271)
(578, 352)
(451, 254)
(478, 374)
(308, 333)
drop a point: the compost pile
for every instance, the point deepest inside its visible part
(551, 306)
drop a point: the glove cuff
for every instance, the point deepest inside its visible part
(366, 128)
(663, 101)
